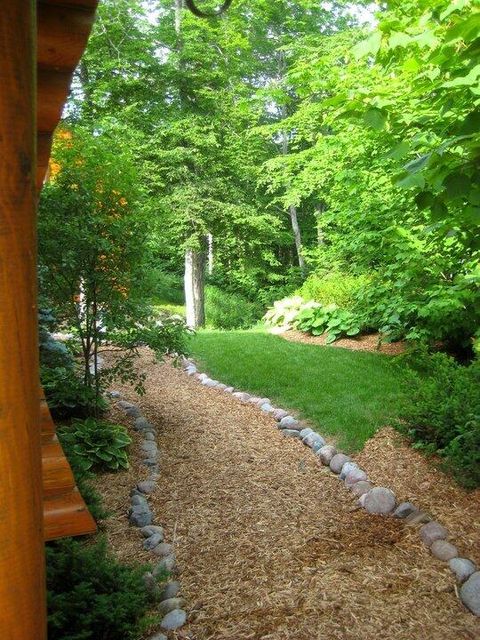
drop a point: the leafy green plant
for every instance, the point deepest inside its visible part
(328, 319)
(227, 310)
(284, 312)
(443, 413)
(98, 444)
(333, 288)
(67, 394)
(90, 595)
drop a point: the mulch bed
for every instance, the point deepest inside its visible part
(370, 342)
(269, 543)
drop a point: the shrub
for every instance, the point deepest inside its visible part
(333, 288)
(98, 444)
(225, 310)
(328, 319)
(91, 595)
(66, 392)
(284, 312)
(443, 413)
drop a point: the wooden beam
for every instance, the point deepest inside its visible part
(22, 572)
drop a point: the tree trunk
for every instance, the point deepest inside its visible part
(297, 236)
(195, 288)
(210, 254)
(320, 235)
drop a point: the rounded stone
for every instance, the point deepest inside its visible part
(291, 433)
(163, 549)
(241, 395)
(261, 401)
(348, 466)
(266, 407)
(443, 550)
(140, 516)
(170, 590)
(404, 509)
(288, 422)
(361, 488)
(151, 530)
(142, 424)
(168, 564)
(150, 543)
(326, 454)
(432, 531)
(146, 486)
(379, 500)
(279, 414)
(306, 432)
(462, 568)
(133, 412)
(123, 404)
(228, 390)
(174, 620)
(209, 383)
(149, 436)
(337, 462)
(170, 604)
(158, 636)
(201, 376)
(354, 476)
(191, 371)
(115, 394)
(314, 441)
(221, 386)
(151, 584)
(470, 593)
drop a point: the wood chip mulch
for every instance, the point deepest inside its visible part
(371, 342)
(269, 543)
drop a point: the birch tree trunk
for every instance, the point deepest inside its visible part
(195, 288)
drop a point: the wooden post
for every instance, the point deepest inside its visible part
(22, 574)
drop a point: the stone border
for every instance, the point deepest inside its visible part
(375, 500)
(140, 515)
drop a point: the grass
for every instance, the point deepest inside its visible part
(344, 394)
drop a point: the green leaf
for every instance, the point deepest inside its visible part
(399, 151)
(417, 164)
(470, 79)
(409, 180)
(457, 185)
(399, 39)
(367, 47)
(375, 118)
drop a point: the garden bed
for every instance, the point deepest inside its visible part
(371, 342)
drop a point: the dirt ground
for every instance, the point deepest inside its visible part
(370, 342)
(271, 546)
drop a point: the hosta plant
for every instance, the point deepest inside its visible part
(98, 444)
(328, 319)
(285, 312)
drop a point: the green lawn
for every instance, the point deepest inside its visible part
(344, 394)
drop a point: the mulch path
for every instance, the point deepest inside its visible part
(370, 342)
(271, 546)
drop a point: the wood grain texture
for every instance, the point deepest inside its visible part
(22, 574)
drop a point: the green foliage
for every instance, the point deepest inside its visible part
(443, 414)
(226, 310)
(333, 288)
(98, 444)
(66, 393)
(90, 595)
(284, 312)
(328, 319)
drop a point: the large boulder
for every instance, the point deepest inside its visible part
(337, 462)
(470, 593)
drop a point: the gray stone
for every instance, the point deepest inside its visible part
(209, 383)
(291, 433)
(191, 370)
(170, 604)
(158, 636)
(326, 454)
(221, 386)
(148, 435)
(123, 404)
(146, 486)
(170, 590)
(228, 390)
(174, 620)
(261, 401)
(140, 516)
(361, 488)
(470, 593)
(354, 476)
(151, 530)
(142, 423)
(151, 584)
(404, 509)
(133, 412)
(267, 407)
(443, 550)
(348, 466)
(431, 532)
(462, 568)
(306, 432)
(138, 499)
(361, 500)
(253, 399)
(149, 447)
(241, 395)
(163, 549)
(202, 376)
(150, 543)
(151, 462)
(115, 394)
(279, 414)
(168, 564)
(314, 441)
(337, 462)
(379, 500)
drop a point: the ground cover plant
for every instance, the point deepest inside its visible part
(346, 394)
